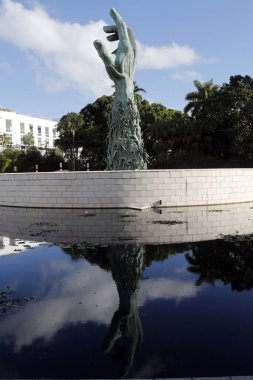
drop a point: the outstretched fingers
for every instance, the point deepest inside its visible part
(108, 59)
(110, 29)
(113, 29)
(121, 26)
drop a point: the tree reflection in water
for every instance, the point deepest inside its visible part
(229, 260)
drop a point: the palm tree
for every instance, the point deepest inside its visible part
(197, 98)
(137, 88)
(70, 128)
(4, 140)
(28, 139)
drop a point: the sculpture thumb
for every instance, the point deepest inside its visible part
(103, 52)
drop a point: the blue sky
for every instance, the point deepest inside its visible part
(49, 67)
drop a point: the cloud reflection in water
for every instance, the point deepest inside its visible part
(81, 293)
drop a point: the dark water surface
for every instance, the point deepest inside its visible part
(81, 310)
(130, 309)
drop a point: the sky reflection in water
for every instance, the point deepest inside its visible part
(128, 310)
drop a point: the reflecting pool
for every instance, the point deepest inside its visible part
(91, 294)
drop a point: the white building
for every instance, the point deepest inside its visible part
(16, 126)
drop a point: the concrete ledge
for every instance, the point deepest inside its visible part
(139, 189)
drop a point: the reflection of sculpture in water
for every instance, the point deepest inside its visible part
(125, 328)
(127, 263)
(125, 145)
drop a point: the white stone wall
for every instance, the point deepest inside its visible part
(139, 189)
(27, 121)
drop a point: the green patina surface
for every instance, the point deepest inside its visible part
(125, 148)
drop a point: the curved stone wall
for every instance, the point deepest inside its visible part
(121, 189)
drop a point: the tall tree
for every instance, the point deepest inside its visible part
(196, 99)
(95, 116)
(225, 125)
(232, 108)
(159, 126)
(71, 136)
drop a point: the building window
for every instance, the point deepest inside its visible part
(54, 133)
(31, 128)
(47, 132)
(46, 142)
(39, 141)
(39, 130)
(8, 125)
(22, 128)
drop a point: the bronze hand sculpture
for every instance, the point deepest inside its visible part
(125, 146)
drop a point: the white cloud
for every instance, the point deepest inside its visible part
(169, 289)
(81, 283)
(93, 288)
(166, 56)
(186, 75)
(62, 54)
(51, 82)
